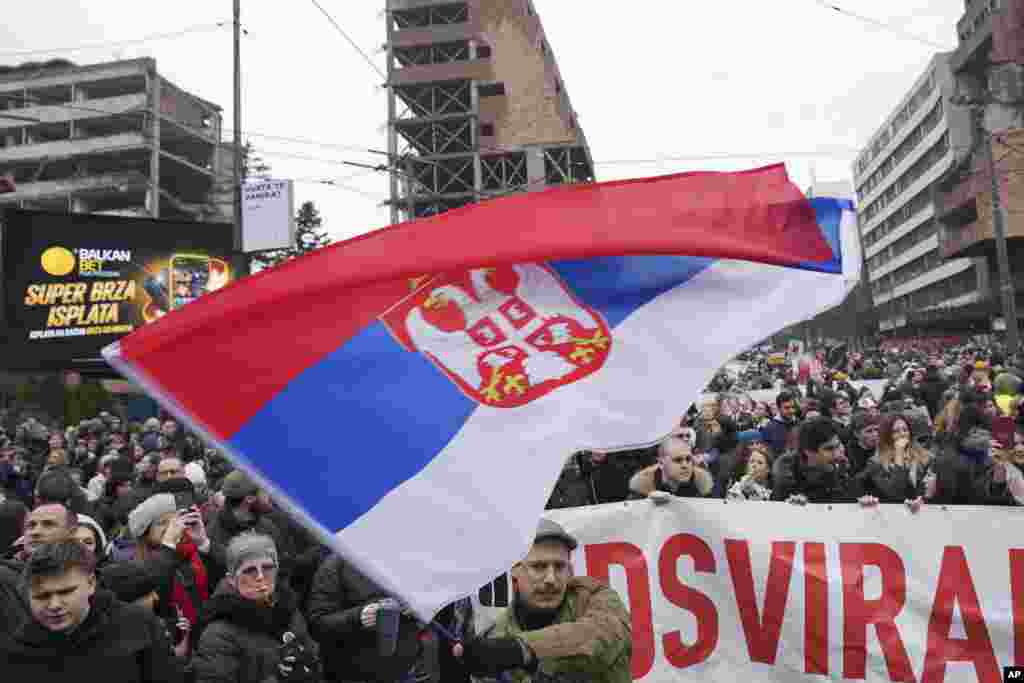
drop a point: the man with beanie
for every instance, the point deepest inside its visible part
(558, 626)
(78, 632)
(246, 509)
(175, 546)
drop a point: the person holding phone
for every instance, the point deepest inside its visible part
(1002, 481)
(173, 543)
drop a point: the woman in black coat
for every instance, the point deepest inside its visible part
(252, 629)
(900, 472)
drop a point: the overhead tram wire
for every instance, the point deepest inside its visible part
(348, 38)
(201, 28)
(882, 25)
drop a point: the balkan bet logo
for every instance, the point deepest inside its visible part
(60, 261)
(505, 336)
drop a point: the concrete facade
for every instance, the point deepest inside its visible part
(115, 138)
(988, 67)
(477, 107)
(895, 178)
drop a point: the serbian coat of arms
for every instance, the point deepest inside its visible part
(505, 335)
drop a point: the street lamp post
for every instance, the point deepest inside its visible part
(1006, 288)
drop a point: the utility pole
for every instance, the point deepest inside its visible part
(241, 266)
(1006, 288)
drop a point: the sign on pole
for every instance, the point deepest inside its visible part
(268, 214)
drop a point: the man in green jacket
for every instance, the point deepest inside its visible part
(559, 628)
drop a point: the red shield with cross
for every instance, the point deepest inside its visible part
(506, 335)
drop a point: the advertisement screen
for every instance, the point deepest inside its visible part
(74, 283)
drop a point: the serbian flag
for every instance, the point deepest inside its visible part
(413, 393)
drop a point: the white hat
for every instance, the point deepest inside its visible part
(101, 538)
(194, 473)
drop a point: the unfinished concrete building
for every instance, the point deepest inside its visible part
(476, 106)
(115, 138)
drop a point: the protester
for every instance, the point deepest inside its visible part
(863, 442)
(246, 509)
(252, 630)
(900, 472)
(780, 432)
(559, 627)
(1002, 481)
(90, 534)
(78, 632)
(343, 617)
(48, 523)
(13, 514)
(752, 479)
(812, 474)
(676, 473)
(175, 546)
(169, 467)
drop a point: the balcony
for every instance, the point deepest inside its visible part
(61, 149)
(87, 109)
(121, 181)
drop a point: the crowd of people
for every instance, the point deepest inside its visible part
(133, 552)
(947, 429)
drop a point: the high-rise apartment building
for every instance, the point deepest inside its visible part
(476, 105)
(116, 138)
(895, 178)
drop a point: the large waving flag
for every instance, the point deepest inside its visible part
(413, 393)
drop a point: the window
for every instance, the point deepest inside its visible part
(483, 51)
(487, 130)
(491, 89)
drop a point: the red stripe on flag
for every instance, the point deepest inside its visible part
(252, 338)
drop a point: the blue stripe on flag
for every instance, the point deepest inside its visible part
(616, 286)
(830, 217)
(372, 415)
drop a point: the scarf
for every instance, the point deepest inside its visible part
(180, 598)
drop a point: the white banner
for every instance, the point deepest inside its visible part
(772, 592)
(268, 214)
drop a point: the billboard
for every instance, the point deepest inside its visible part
(74, 283)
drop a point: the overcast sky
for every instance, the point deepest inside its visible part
(649, 78)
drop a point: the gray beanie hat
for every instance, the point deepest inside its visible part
(247, 546)
(148, 512)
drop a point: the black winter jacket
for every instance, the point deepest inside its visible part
(349, 651)
(818, 484)
(888, 485)
(13, 607)
(116, 642)
(240, 640)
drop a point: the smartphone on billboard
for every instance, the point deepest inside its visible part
(1003, 429)
(190, 278)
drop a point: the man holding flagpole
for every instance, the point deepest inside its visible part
(559, 627)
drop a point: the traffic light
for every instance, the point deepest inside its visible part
(7, 184)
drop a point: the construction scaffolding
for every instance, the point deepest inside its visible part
(476, 106)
